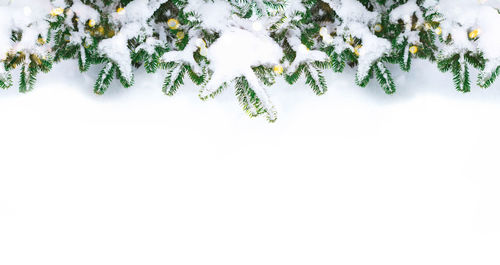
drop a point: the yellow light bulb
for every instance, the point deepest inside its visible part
(473, 34)
(173, 23)
(439, 31)
(91, 23)
(278, 69)
(56, 12)
(323, 31)
(413, 49)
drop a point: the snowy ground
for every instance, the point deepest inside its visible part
(352, 177)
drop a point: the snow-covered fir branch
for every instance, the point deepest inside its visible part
(246, 45)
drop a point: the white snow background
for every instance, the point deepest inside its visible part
(351, 177)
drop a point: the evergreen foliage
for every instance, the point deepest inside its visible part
(173, 38)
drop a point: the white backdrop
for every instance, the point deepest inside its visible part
(352, 177)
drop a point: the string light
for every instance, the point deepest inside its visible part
(56, 12)
(91, 23)
(173, 23)
(473, 34)
(413, 49)
(323, 31)
(278, 69)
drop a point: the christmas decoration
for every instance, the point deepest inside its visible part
(246, 45)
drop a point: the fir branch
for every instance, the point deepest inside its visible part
(384, 78)
(104, 79)
(486, 79)
(315, 79)
(174, 79)
(5, 80)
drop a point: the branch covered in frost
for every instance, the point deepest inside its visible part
(245, 45)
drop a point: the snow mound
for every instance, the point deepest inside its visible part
(237, 50)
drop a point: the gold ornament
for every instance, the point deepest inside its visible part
(278, 69)
(180, 35)
(56, 12)
(378, 28)
(120, 10)
(100, 29)
(173, 23)
(413, 49)
(41, 41)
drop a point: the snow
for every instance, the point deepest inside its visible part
(351, 177)
(238, 50)
(462, 16)
(235, 53)
(134, 23)
(117, 50)
(85, 12)
(214, 15)
(135, 177)
(16, 17)
(405, 12)
(303, 54)
(355, 23)
(184, 56)
(352, 10)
